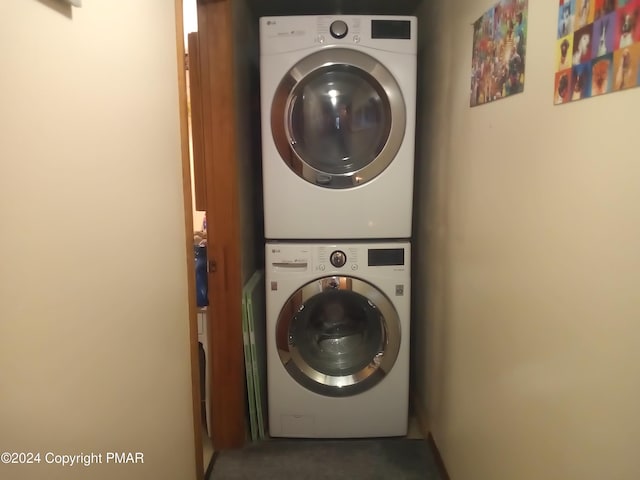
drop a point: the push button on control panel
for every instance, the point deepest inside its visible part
(338, 259)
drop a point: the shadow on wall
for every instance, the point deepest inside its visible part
(430, 329)
(60, 6)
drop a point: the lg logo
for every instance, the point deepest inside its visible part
(271, 22)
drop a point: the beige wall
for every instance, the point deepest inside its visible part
(94, 348)
(527, 353)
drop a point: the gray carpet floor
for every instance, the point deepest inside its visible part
(368, 459)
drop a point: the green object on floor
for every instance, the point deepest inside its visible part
(253, 331)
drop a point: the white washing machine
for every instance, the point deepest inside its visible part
(338, 339)
(338, 100)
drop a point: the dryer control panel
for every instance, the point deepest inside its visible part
(289, 33)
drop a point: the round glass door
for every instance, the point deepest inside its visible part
(338, 118)
(338, 336)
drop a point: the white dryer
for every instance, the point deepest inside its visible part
(338, 100)
(338, 339)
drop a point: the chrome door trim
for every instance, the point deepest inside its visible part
(338, 386)
(282, 104)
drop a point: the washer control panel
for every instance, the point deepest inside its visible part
(345, 258)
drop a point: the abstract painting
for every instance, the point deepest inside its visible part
(499, 52)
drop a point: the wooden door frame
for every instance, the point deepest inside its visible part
(223, 229)
(226, 357)
(188, 225)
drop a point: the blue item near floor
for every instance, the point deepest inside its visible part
(202, 290)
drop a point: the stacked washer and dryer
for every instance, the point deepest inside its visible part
(338, 120)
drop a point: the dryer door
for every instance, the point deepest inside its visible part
(338, 118)
(338, 336)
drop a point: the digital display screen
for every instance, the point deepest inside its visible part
(398, 29)
(384, 257)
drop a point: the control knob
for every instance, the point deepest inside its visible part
(339, 29)
(338, 259)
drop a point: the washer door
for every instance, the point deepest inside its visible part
(338, 336)
(338, 118)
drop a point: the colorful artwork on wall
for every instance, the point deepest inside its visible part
(598, 48)
(499, 51)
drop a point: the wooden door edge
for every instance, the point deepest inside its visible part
(188, 225)
(226, 378)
